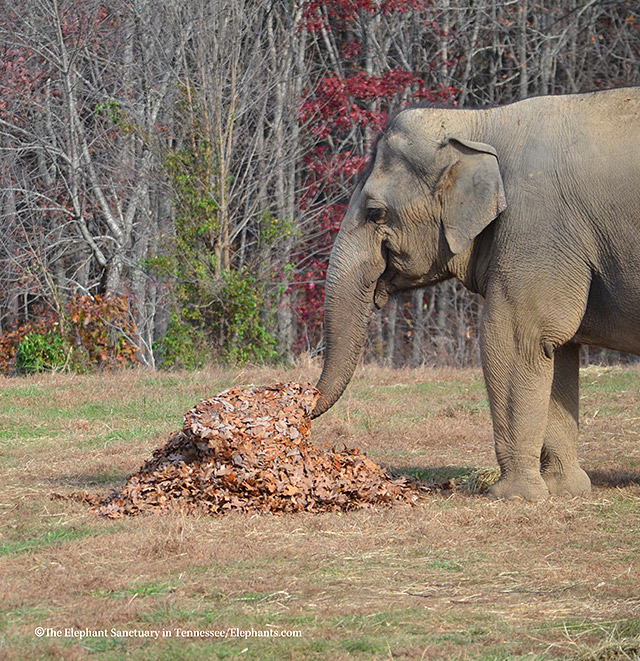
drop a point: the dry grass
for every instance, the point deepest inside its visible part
(456, 577)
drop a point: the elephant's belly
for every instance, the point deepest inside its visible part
(612, 316)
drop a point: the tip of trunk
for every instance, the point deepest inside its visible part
(322, 406)
(331, 389)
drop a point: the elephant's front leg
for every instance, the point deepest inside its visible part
(518, 374)
(559, 460)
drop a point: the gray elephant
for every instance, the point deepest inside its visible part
(535, 206)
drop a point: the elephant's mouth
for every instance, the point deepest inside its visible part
(385, 285)
(381, 294)
(388, 283)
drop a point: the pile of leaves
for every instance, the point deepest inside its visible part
(247, 449)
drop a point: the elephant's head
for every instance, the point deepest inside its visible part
(426, 195)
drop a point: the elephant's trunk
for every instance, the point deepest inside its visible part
(350, 284)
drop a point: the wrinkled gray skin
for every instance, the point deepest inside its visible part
(535, 206)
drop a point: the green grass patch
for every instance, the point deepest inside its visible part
(22, 615)
(609, 379)
(23, 391)
(17, 433)
(54, 537)
(436, 474)
(445, 564)
(124, 435)
(151, 589)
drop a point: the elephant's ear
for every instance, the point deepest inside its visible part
(471, 192)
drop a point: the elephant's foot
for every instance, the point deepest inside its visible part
(568, 483)
(528, 487)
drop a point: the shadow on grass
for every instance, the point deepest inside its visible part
(89, 480)
(610, 479)
(433, 477)
(445, 477)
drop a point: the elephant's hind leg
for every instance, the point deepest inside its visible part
(559, 458)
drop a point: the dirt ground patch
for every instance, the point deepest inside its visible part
(455, 576)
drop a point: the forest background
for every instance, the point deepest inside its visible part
(173, 173)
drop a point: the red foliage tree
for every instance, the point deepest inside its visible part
(343, 112)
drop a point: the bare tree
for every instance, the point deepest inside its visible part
(84, 140)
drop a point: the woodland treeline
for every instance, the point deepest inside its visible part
(173, 173)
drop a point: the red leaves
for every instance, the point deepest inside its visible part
(338, 101)
(339, 12)
(247, 450)
(345, 107)
(102, 328)
(98, 329)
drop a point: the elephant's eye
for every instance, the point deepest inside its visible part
(375, 215)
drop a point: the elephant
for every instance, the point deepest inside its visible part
(533, 205)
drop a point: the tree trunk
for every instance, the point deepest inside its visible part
(417, 341)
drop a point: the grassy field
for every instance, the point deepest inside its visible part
(456, 577)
